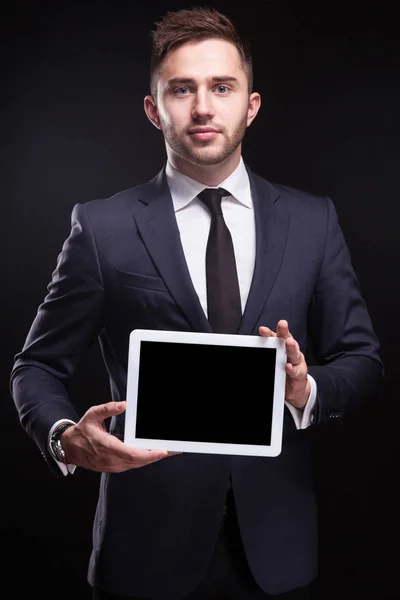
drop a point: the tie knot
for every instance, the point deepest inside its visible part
(212, 197)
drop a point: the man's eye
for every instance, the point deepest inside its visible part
(182, 91)
(222, 89)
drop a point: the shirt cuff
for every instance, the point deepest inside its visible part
(65, 469)
(304, 418)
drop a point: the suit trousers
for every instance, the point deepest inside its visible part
(228, 576)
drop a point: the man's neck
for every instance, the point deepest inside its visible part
(210, 175)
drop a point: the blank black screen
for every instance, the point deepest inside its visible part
(205, 393)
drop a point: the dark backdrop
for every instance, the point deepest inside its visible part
(73, 129)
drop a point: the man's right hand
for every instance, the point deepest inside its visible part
(89, 445)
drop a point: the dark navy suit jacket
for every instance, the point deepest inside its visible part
(123, 267)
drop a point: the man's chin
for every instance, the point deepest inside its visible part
(207, 157)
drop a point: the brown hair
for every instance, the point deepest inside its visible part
(195, 24)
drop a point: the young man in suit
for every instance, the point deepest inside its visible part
(192, 526)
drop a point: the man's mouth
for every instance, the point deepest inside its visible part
(203, 133)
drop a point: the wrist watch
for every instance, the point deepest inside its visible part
(56, 448)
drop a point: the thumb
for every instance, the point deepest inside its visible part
(101, 412)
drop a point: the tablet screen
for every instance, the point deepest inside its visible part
(205, 393)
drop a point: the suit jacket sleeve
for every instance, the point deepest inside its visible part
(66, 325)
(349, 370)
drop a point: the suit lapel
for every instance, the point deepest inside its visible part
(272, 225)
(155, 219)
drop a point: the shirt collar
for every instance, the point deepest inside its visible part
(184, 189)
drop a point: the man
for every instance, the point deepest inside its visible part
(188, 526)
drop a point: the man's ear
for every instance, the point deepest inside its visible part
(254, 107)
(151, 111)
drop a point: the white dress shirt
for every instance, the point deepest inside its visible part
(193, 221)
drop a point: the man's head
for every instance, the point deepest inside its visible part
(201, 81)
(194, 25)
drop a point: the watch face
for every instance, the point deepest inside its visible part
(58, 451)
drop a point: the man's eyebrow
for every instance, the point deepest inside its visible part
(179, 81)
(190, 81)
(224, 78)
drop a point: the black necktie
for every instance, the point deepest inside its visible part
(223, 294)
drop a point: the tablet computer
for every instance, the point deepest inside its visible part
(205, 392)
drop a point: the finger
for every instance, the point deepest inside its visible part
(266, 331)
(137, 456)
(296, 372)
(282, 329)
(140, 457)
(291, 370)
(101, 412)
(293, 352)
(144, 457)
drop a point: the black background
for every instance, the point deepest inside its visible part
(73, 128)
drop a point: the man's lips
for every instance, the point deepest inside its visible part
(203, 133)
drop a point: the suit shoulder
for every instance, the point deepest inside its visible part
(307, 206)
(302, 205)
(125, 200)
(297, 193)
(293, 195)
(121, 199)
(289, 194)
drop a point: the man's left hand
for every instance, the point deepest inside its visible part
(298, 387)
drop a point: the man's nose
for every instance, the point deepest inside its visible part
(203, 105)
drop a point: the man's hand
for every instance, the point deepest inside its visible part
(298, 387)
(89, 445)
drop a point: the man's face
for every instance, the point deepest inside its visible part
(203, 106)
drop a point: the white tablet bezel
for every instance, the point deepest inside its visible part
(139, 335)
